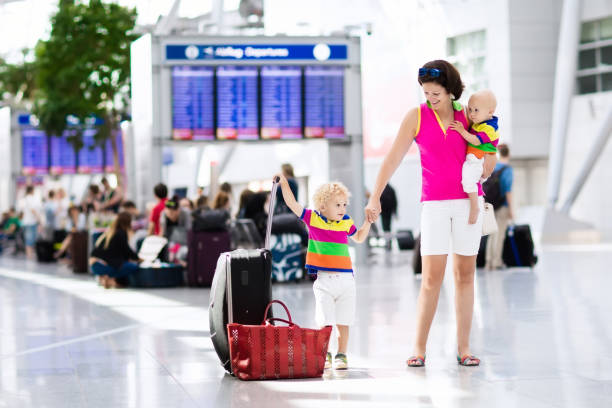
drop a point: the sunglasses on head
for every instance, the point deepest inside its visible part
(432, 72)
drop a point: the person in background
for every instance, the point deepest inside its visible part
(50, 210)
(111, 197)
(388, 209)
(287, 172)
(12, 229)
(186, 203)
(504, 214)
(175, 223)
(202, 203)
(244, 198)
(63, 204)
(77, 221)
(31, 208)
(112, 257)
(161, 194)
(256, 210)
(91, 202)
(222, 201)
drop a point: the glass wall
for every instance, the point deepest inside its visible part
(595, 57)
(468, 53)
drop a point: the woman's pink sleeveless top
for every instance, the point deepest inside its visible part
(442, 155)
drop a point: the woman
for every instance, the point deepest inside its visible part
(112, 258)
(445, 207)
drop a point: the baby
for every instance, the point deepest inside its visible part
(482, 139)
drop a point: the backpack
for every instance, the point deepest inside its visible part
(492, 189)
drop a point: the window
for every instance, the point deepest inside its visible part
(595, 57)
(467, 52)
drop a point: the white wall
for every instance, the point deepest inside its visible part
(594, 203)
(534, 30)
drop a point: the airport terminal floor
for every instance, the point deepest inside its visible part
(544, 336)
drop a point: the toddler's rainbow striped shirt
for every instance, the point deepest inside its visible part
(328, 243)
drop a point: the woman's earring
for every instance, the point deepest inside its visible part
(452, 97)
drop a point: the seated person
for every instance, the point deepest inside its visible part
(175, 223)
(112, 257)
(139, 223)
(12, 229)
(76, 222)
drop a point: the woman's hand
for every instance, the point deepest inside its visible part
(372, 210)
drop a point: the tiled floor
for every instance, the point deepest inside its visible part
(544, 335)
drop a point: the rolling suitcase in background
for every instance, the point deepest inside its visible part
(205, 247)
(405, 239)
(417, 261)
(44, 250)
(518, 247)
(241, 289)
(481, 259)
(79, 251)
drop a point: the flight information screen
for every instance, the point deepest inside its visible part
(34, 152)
(63, 159)
(237, 103)
(243, 102)
(281, 102)
(324, 102)
(193, 103)
(91, 157)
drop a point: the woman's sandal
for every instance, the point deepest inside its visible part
(468, 361)
(416, 361)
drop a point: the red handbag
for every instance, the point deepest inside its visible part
(268, 352)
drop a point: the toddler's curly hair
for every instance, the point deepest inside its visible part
(327, 191)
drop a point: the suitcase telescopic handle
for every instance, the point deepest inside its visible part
(284, 307)
(271, 211)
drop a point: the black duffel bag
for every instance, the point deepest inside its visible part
(210, 220)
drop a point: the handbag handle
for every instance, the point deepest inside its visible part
(270, 305)
(276, 319)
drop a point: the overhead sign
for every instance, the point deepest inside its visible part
(199, 52)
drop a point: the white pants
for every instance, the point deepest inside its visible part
(335, 298)
(471, 173)
(445, 223)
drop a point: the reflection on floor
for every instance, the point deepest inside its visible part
(544, 336)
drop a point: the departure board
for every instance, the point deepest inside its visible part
(63, 158)
(35, 152)
(324, 102)
(281, 102)
(192, 103)
(237, 103)
(90, 157)
(109, 164)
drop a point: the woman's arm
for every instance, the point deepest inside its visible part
(403, 140)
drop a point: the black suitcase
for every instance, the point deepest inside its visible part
(518, 247)
(481, 259)
(44, 250)
(417, 261)
(240, 291)
(405, 239)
